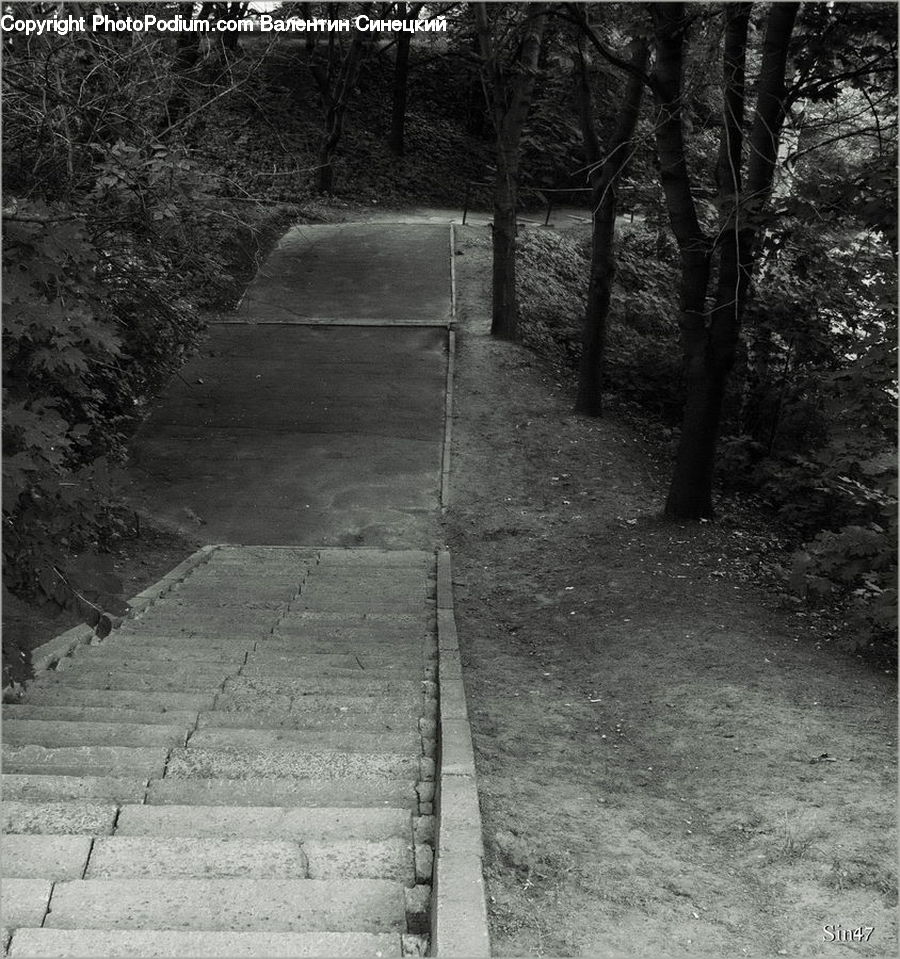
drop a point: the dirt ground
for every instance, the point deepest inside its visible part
(670, 763)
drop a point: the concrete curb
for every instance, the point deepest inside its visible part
(459, 923)
(452, 274)
(335, 321)
(448, 390)
(46, 656)
(448, 421)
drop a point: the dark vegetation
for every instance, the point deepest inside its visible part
(143, 181)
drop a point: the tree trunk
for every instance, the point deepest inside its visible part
(510, 100)
(604, 200)
(325, 172)
(710, 350)
(765, 136)
(504, 229)
(187, 53)
(401, 74)
(335, 96)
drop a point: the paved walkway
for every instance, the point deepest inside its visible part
(249, 767)
(287, 432)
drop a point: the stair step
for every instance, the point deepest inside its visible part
(374, 620)
(140, 700)
(85, 760)
(23, 901)
(408, 741)
(87, 665)
(300, 824)
(37, 788)
(182, 681)
(337, 649)
(130, 638)
(251, 700)
(44, 857)
(124, 654)
(81, 818)
(330, 685)
(398, 793)
(336, 557)
(362, 859)
(53, 733)
(135, 857)
(324, 713)
(288, 761)
(337, 601)
(292, 646)
(368, 671)
(349, 668)
(217, 594)
(152, 944)
(331, 574)
(364, 632)
(273, 905)
(187, 620)
(231, 637)
(98, 714)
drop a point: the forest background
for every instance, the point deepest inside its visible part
(146, 176)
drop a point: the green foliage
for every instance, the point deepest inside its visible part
(856, 566)
(112, 240)
(552, 278)
(644, 362)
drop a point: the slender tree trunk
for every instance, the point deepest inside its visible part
(510, 99)
(710, 351)
(476, 99)
(401, 74)
(335, 93)
(187, 53)
(604, 178)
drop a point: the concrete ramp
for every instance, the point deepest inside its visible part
(314, 415)
(354, 274)
(292, 435)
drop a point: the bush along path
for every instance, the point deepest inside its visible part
(251, 764)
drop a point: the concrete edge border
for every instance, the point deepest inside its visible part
(452, 274)
(459, 922)
(46, 656)
(403, 323)
(448, 421)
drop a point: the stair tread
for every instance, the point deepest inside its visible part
(62, 733)
(274, 905)
(307, 792)
(38, 788)
(249, 763)
(267, 822)
(97, 714)
(208, 944)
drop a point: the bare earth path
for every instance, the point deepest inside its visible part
(251, 765)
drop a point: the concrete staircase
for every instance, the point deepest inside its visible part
(246, 769)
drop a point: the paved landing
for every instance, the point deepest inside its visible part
(354, 273)
(313, 434)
